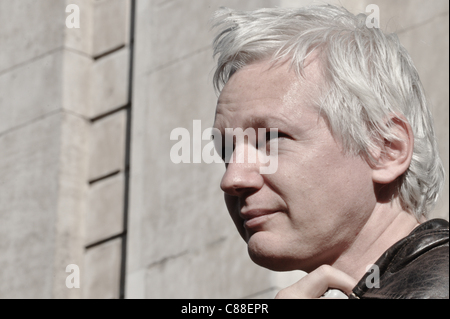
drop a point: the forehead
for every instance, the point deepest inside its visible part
(261, 93)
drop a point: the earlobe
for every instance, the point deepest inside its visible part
(394, 158)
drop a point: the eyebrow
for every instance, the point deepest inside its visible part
(259, 122)
(263, 122)
(267, 122)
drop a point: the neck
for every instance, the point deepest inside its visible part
(388, 224)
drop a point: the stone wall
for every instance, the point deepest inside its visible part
(64, 109)
(85, 122)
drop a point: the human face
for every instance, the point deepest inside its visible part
(312, 208)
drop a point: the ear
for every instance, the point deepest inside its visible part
(395, 156)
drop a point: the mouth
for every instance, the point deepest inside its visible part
(256, 218)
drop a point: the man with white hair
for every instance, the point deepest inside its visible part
(358, 167)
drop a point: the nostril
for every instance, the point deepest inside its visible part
(230, 187)
(241, 179)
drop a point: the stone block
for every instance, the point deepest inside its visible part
(281, 280)
(28, 197)
(41, 195)
(71, 202)
(109, 86)
(135, 285)
(76, 86)
(100, 278)
(107, 145)
(29, 29)
(104, 216)
(111, 19)
(51, 82)
(81, 39)
(173, 199)
(208, 273)
(31, 91)
(167, 31)
(104, 26)
(396, 16)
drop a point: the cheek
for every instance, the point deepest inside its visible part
(344, 198)
(326, 186)
(232, 203)
(351, 179)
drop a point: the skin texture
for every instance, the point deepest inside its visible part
(319, 198)
(321, 207)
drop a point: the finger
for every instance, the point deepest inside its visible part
(327, 277)
(315, 284)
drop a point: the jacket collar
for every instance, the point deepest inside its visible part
(423, 238)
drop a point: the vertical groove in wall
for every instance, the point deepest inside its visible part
(127, 152)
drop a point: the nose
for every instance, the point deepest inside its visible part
(242, 179)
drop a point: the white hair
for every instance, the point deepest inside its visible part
(369, 77)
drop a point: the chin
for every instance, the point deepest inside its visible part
(271, 263)
(281, 256)
(266, 254)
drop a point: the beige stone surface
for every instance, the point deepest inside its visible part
(107, 145)
(100, 275)
(46, 81)
(81, 39)
(76, 83)
(206, 272)
(71, 203)
(400, 15)
(31, 91)
(395, 16)
(176, 198)
(168, 31)
(104, 26)
(216, 270)
(110, 25)
(29, 29)
(135, 284)
(277, 282)
(40, 207)
(104, 214)
(28, 197)
(109, 82)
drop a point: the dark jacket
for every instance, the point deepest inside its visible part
(416, 267)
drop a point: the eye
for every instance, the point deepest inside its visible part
(271, 135)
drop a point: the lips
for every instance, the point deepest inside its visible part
(256, 217)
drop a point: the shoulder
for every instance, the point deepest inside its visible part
(417, 267)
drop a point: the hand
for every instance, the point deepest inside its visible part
(315, 284)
